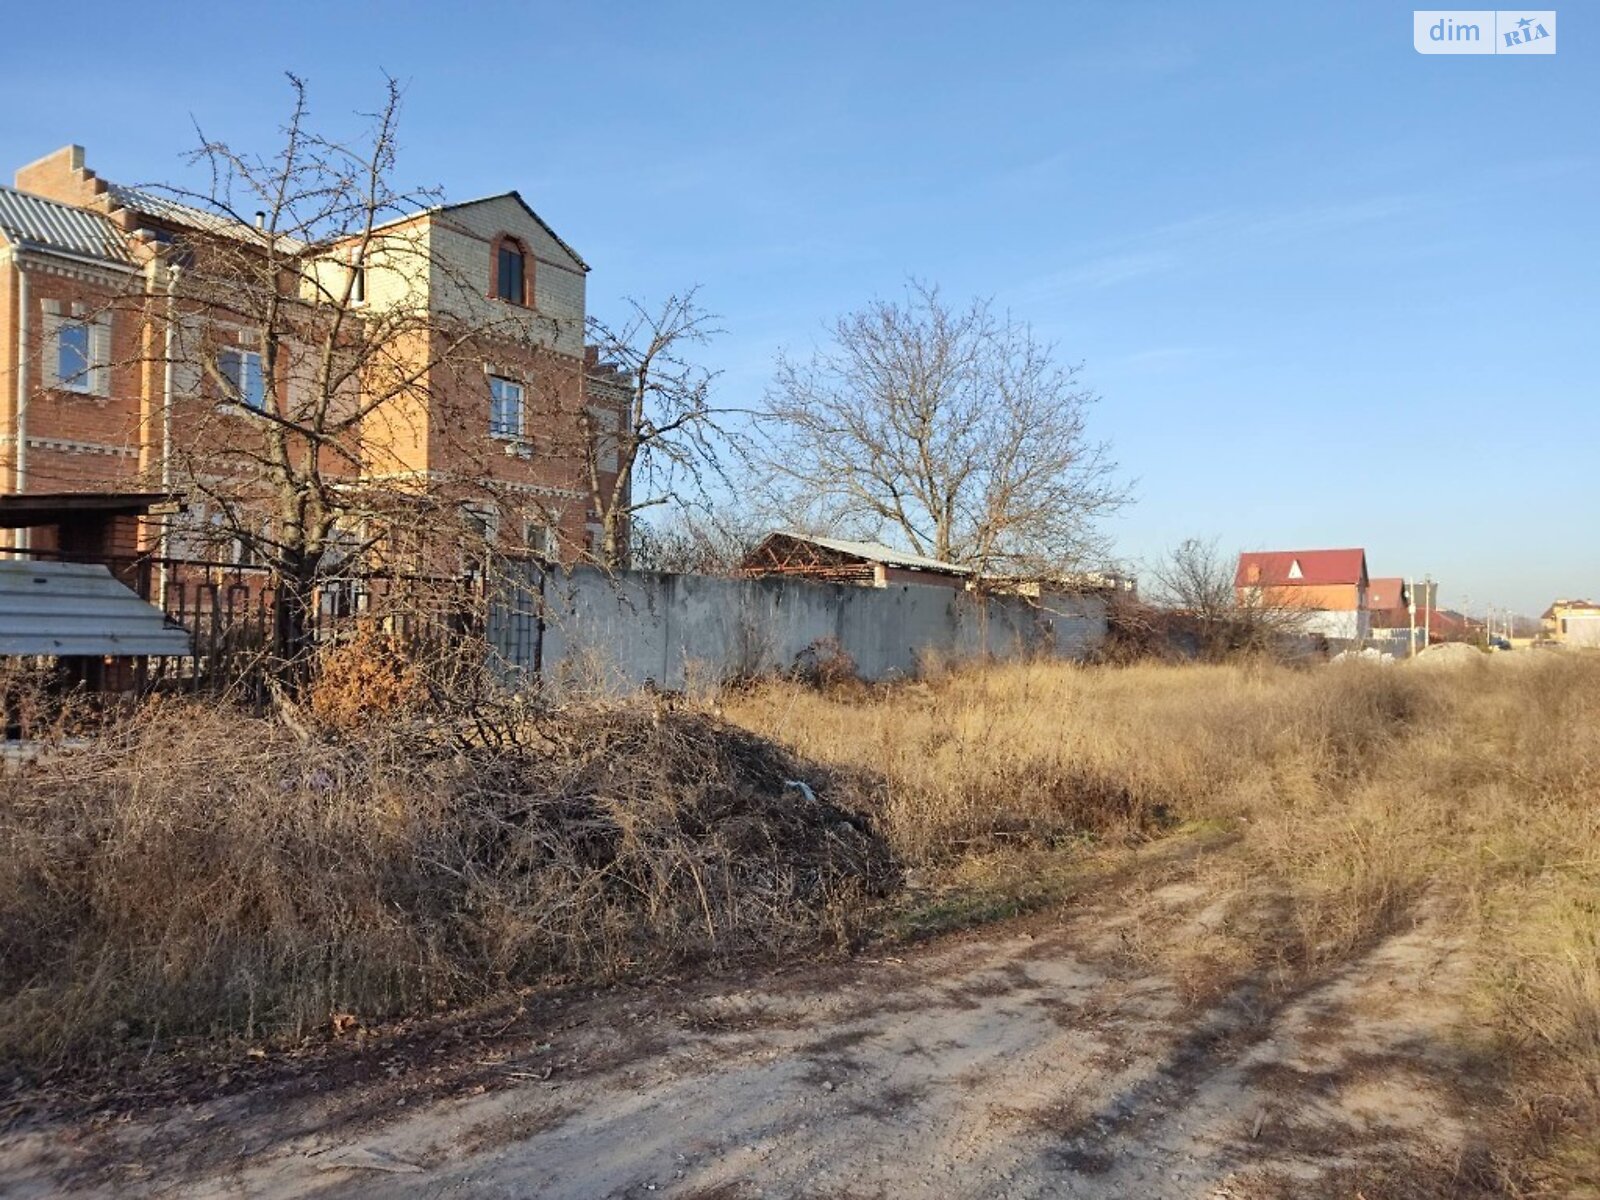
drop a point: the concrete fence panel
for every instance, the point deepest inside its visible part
(583, 626)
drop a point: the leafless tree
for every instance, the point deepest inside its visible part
(1195, 582)
(696, 543)
(307, 324)
(953, 431)
(666, 432)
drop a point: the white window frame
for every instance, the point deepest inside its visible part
(95, 377)
(607, 426)
(538, 537)
(80, 381)
(244, 356)
(496, 427)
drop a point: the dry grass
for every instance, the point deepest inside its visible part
(1355, 791)
(193, 871)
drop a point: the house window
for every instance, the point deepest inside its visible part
(510, 274)
(77, 350)
(358, 284)
(242, 370)
(72, 356)
(536, 537)
(480, 526)
(604, 423)
(505, 408)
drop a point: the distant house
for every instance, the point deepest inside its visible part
(1391, 598)
(1447, 625)
(1389, 612)
(1328, 586)
(836, 560)
(1572, 623)
(872, 564)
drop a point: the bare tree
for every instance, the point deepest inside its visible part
(308, 324)
(1195, 582)
(696, 543)
(661, 430)
(953, 431)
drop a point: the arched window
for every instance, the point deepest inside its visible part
(509, 271)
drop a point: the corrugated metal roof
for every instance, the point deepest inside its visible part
(879, 553)
(34, 221)
(175, 212)
(57, 608)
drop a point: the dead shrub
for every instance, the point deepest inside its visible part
(826, 664)
(195, 871)
(367, 677)
(39, 703)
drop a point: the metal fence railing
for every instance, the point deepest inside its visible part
(231, 613)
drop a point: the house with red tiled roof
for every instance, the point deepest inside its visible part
(1328, 586)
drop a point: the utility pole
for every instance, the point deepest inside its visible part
(1411, 606)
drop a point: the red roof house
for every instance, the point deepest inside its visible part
(1330, 586)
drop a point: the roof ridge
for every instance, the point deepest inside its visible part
(512, 194)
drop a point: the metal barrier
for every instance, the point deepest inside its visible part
(231, 612)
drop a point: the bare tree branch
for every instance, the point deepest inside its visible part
(953, 431)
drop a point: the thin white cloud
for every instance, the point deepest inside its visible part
(1196, 241)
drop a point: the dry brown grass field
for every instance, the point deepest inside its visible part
(1349, 797)
(193, 877)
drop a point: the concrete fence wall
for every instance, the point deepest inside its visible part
(676, 629)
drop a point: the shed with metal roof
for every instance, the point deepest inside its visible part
(839, 560)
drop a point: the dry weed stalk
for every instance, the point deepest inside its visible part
(196, 871)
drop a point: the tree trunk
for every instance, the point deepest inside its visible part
(292, 626)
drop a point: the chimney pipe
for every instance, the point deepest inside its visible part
(261, 219)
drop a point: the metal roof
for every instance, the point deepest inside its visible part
(175, 212)
(61, 608)
(1309, 568)
(37, 223)
(879, 553)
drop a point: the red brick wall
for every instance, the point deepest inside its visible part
(62, 176)
(114, 441)
(90, 442)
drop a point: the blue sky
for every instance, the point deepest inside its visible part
(1332, 292)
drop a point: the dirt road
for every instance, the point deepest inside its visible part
(1036, 1060)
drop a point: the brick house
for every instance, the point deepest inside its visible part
(1571, 622)
(1329, 587)
(93, 399)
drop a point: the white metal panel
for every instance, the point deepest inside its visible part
(52, 608)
